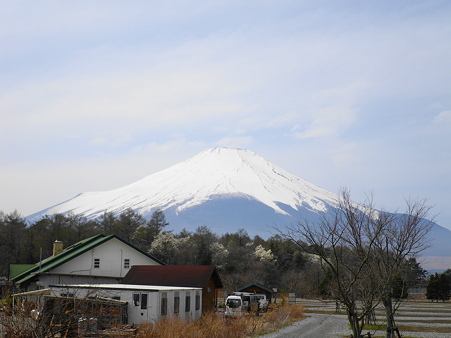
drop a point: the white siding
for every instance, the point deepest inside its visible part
(136, 314)
(46, 280)
(111, 255)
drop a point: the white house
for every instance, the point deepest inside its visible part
(145, 303)
(96, 260)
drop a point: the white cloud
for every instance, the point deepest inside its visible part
(327, 122)
(267, 120)
(332, 113)
(346, 155)
(116, 139)
(444, 118)
(235, 142)
(99, 141)
(154, 147)
(147, 81)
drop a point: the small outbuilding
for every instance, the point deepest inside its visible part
(205, 277)
(144, 303)
(258, 288)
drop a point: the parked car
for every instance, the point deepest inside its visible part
(254, 302)
(234, 306)
(241, 302)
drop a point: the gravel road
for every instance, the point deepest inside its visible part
(314, 326)
(432, 317)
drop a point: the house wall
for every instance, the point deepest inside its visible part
(209, 296)
(111, 256)
(136, 313)
(46, 280)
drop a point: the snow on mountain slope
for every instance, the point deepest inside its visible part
(212, 174)
(225, 190)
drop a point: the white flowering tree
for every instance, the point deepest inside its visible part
(165, 246)
(262, 254)
(219, 254)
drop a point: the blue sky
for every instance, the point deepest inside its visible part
(98, 94)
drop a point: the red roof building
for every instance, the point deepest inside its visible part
(202, 276)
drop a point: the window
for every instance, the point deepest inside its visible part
(176, 303)
(67, 295)
(96, 263)
(126, 263)
(197, 300)
(144, 301)
(233, 303)
(164, 303)
(140, 299)
(187, 302)
(136, 299)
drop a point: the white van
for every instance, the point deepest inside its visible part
(253, 302)
(234, 306)
(261, 301)
(245, 302)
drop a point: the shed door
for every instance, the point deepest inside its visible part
(141, 306)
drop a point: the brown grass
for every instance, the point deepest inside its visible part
(410, 328)
(213, 325)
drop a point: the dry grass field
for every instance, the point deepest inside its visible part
(218, 326)
(212, 324)
(419, 318)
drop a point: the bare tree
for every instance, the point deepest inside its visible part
(404, 236)
(344, 243)
(364, 250)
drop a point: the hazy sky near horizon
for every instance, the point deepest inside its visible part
(98, 94)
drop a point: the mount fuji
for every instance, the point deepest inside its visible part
(224, 189)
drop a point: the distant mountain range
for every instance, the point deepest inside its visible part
(224, 189)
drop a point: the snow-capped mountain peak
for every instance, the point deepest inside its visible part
(224, 189)
(212, 175)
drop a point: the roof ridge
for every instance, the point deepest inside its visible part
(65, 253)
(73, 251)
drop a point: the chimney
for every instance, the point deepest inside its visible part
(57, 247)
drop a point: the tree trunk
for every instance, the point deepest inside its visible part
(392, 330)
(354, 321)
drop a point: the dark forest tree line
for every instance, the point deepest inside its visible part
(275, 262)
(439, 286)
(24, 243)
(241, 260)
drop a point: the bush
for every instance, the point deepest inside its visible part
(216, 325)
(210, 325)
(283, 315)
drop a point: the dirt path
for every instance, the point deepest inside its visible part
(424, 319)
(314, 326)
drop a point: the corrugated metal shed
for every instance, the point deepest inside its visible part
(122, 287)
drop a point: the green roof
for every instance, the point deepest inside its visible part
(68, 254)
(17, 269)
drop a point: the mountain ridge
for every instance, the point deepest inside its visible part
(211, 174)
(225, 189)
